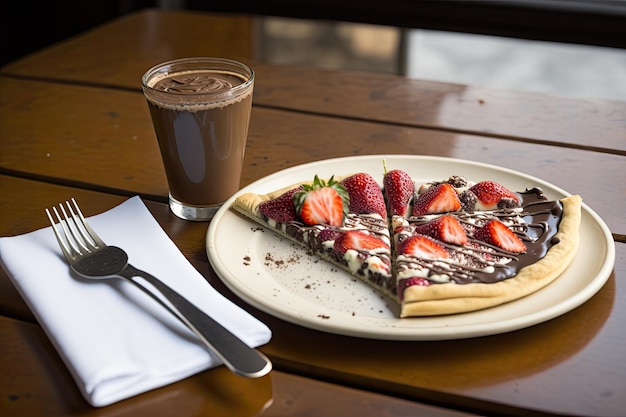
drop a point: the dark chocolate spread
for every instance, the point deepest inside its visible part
(312, 237)
(535, 222)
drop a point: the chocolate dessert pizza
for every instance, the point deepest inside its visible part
(442, 247)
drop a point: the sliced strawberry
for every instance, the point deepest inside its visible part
(491, 195)
(495, 233)
(354, 239)
(322, 202)
(445, 228)
(423, 247)
(441, 198)
(399, 189)
(282, 208)
(323, 206)
(365, 195)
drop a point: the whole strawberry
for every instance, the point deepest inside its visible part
(322, 202)
(282, 208)
(365, 195)
(399, 189)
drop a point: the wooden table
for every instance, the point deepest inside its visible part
(77, 107)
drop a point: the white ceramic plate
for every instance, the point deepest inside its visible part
(281, 279)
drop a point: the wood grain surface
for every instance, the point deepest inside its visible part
(35, 389)
(129, 46)
(48, 128)
(119, 52)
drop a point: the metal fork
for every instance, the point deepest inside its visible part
(91, 258)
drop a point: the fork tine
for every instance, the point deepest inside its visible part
(78, 228)
(76, 233)
(77, 237)
(98, 243)
(70, 251)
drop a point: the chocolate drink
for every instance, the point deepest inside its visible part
(202, 142)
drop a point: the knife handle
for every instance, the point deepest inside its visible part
(234, 353)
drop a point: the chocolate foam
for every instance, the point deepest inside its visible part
(198, 82)
(198, 90)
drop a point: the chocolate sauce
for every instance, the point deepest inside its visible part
(477, 262)
(536, 222)
(372, 224)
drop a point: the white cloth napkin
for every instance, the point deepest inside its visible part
(116, 341)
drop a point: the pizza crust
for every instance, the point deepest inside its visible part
(450, 298)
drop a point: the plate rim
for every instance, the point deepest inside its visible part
(442, 332)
